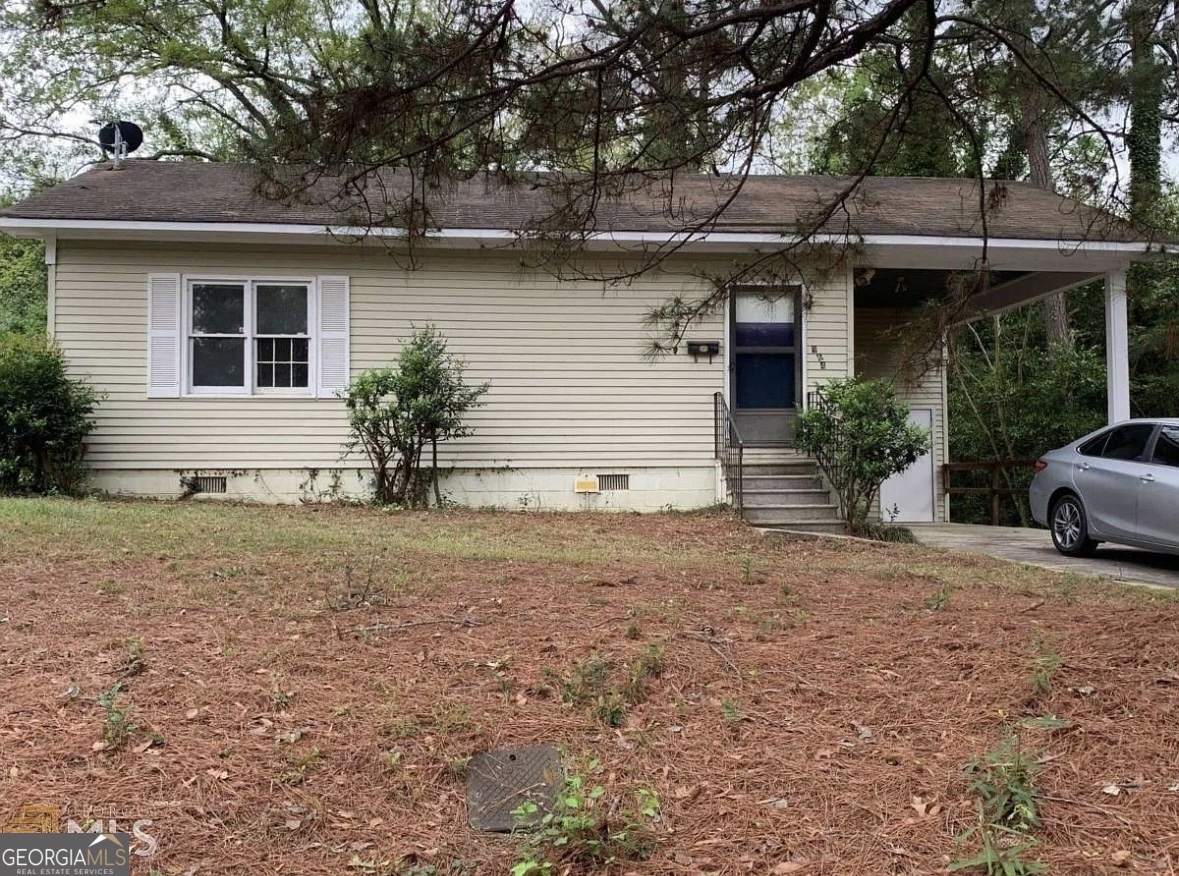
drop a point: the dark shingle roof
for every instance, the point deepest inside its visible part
(225, 193)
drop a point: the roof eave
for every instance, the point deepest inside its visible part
(881, 250)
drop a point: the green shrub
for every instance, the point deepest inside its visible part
(44, 416)
(395, 413)
(860, 435)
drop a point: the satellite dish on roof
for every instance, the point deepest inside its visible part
(120, 138)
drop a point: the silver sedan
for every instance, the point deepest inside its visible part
(1119, 484)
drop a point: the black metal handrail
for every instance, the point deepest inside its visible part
(831, 452)
(728, 448)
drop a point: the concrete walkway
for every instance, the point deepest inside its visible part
(1034, 547)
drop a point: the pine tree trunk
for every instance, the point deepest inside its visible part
(1144, 140)
(1035, 138)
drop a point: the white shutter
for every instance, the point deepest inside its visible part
(333, 336)
(163, 335)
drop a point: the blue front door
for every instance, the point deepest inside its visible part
(764, 363)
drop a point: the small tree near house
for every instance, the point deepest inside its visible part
(395, 413)
(861, 436)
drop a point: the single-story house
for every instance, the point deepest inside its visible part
(221, 326)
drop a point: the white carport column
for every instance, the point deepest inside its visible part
(1117, 347)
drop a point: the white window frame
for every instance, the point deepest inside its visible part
(250, 389)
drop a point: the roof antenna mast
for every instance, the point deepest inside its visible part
(120, 139)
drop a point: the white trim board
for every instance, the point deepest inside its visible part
(474, 237)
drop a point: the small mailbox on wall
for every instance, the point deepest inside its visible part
(696, 349)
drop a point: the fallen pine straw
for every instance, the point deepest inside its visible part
(812, 714)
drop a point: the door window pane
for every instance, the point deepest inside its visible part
(1166, 448)
(765, 380)
(218, 308)
(1128, 442)
(282, 310)
(218, 361)
(764, 306)
(764, 334)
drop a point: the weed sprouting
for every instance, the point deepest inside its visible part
(1004, 783)
(280, 697)
(592, 682)
(117, 725)
(585, 828)
(300, 765)
(732, 711)
(1044, 666)
(939, 599)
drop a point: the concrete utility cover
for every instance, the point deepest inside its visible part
(499, 780)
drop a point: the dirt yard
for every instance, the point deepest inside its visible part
(300, 688)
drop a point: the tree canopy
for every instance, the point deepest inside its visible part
(605, 94)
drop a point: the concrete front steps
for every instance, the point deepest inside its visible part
(783, 490)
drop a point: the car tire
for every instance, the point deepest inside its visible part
(1070, 527)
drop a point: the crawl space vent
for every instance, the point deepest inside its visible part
(607, 482)
(209, 484)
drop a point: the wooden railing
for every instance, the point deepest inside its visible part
(995, 488)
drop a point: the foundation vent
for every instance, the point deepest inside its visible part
(611, 482)
(209, 484)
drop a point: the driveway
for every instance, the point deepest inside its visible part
(1034, 547)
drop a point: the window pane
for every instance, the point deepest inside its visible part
(299, 376)
(265, 378)
(1166, 449)
(265, 350)
(1128, 442)
(1093, 446)
(299, 350)
(218, 309)
(765, 380)
(282, 375)
(218, 361)
(282, 310)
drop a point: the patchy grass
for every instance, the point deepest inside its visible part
(305, 685)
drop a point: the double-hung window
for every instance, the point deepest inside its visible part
(249, 336)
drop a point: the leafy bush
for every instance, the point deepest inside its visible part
(44, 415)
(860, 435)
(395, 413)
(1013, 399)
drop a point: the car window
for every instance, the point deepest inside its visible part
(1166, 448)
(1093, 446)
(1128, 442)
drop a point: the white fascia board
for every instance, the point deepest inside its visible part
(872, 249)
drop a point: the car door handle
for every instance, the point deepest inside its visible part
(1084, 466)
(1146, 478)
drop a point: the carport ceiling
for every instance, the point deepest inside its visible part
(896, 287)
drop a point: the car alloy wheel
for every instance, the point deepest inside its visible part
(1068, 524)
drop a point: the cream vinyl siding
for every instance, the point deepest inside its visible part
(878, 355)
(825, 328)
(569, 383)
